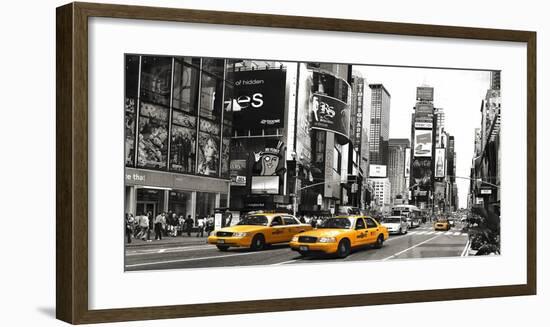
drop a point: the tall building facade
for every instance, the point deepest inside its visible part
(381, 193)
(396, 169)
(379, 124)
(422, 149)
(204, 134)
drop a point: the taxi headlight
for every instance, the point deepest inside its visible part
(294, 239)
(327, 239)
(240, 234)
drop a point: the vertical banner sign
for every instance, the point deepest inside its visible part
(258, 99)
(439, 162)
(422, 143)
(407, 162)
(330, 114)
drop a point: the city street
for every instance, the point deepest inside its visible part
(176, 253)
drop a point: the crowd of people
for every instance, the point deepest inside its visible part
(166, 224)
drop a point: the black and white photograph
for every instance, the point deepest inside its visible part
(239, 162)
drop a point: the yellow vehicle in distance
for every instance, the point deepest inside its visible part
(442, 224)
(257, 230)
(339, 235)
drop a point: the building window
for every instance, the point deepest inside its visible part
(130, 107)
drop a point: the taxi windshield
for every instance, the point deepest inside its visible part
(339, 223)
(256, 220)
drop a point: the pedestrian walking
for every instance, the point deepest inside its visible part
(129, 222)
(143, 226)
(188, 224)
(160, 222)
(200, 225)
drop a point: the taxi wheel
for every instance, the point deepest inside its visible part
(379, 242)
(258, 243)
(344, 248)
(222, 247)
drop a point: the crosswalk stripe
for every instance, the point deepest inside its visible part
(413, 233)
(422, 233)
(456, 233)
(448, 233)
(430, 233)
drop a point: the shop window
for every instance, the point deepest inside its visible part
(206, 203)
(181, 203)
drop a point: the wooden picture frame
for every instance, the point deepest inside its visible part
(72, 162)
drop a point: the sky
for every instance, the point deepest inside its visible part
(458, 92)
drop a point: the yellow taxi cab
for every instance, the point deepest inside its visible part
(338, 235)
(442, 224)
(256, 230)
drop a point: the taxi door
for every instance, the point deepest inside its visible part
(292, 227)
(361, 233)
(373, 230)
(277, 231)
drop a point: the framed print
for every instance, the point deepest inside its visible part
(259, 163)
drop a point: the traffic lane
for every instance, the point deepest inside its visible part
(401, 244)
(445, 245)
(210, 257)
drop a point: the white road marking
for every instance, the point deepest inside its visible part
(421, 233)
(465, 251)
(413, 233)
(171, 250)
(456, 233)
(189, 259)
(408, 249)
(284, 262)
(430, 233)
(448, 233)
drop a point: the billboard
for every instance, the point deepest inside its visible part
(423, 143)
(423, 125)
(421, 170)
(407, 162)
(264, 185)
(330, 114)
(439, 191)
(257, 99)
(377, 170)
(439, 162)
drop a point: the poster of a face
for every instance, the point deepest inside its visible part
(183, 149)
(208, 152)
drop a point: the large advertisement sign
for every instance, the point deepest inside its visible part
(422, 143)
(330, 114)
(266, 170)
(377, 171)
(421, 170)
(439, 191)
(439, 162)
(407, 162)
(258, 99)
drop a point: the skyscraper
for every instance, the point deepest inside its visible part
(396, 167)
(379, 124)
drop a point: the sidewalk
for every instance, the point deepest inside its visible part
(167, 241)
